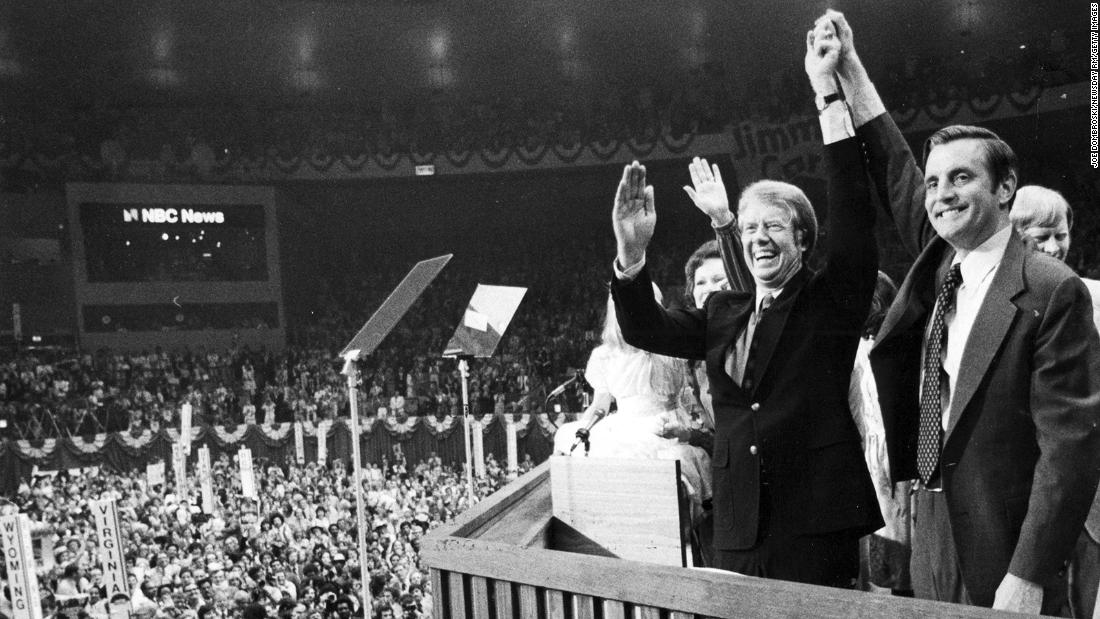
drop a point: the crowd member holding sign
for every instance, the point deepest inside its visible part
(792, 494)
(987, 364)
(222, 562)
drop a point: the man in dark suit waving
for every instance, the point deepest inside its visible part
(988, 367)
(792, 494)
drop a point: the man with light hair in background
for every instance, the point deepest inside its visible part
(1044, 219)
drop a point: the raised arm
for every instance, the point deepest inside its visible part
(644, 323)
(897, 179)
(708, 192)
(601, 403)
(647, 325)
(852, 258)
(633, 217)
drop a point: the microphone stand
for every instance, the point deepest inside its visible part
(554, 393)
(583, 435)
(583, 438)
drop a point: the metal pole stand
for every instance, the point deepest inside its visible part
(352, 373)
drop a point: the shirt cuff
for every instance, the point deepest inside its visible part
(629, 273)
(836, 125)
(726, 226)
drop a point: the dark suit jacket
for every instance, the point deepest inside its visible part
(1021, 456)
(787, 459)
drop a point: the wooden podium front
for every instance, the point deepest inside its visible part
(509, 556)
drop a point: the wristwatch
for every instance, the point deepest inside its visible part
(826, 101)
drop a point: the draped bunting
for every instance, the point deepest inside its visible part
(1025, 100)
(523, 423)
(196, 432)
(420, 438)
(92, 446)
(33, 449)
(142, 439)
(276, 432)
(227, 435)
(366, 425)
(279, 434)
(941, 113)
(441, 426)
(400, 429)
(59, 158)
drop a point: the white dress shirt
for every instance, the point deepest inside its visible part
(978, 267)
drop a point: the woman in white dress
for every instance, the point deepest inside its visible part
(647, 390)
(884, 554)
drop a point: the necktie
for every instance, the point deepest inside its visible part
(739, 364)
(931, 404)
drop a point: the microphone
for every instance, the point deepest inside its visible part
(560, 389)
(582, 434)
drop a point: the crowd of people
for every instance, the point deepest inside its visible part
(49, 393)
(290, 553)
(58, 393)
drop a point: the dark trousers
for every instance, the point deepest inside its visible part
(702, 540)
(934, 567)
(830, 559)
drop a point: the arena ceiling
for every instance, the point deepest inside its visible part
(345, 52)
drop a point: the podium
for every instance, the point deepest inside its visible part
(509, 556)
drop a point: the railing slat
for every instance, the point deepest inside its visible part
(457, 595)
(584, 607)
(646, 612)
(528, 602)
(555, 603)
(679, 615)
(614, 609)
(437, 594)
(479, 592)
(502, 598)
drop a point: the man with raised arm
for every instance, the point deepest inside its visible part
(987, 364)
(792, 494)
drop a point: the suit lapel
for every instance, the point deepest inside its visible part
(771, 324)
(916, 295)
(993, 321)
(727, 316)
